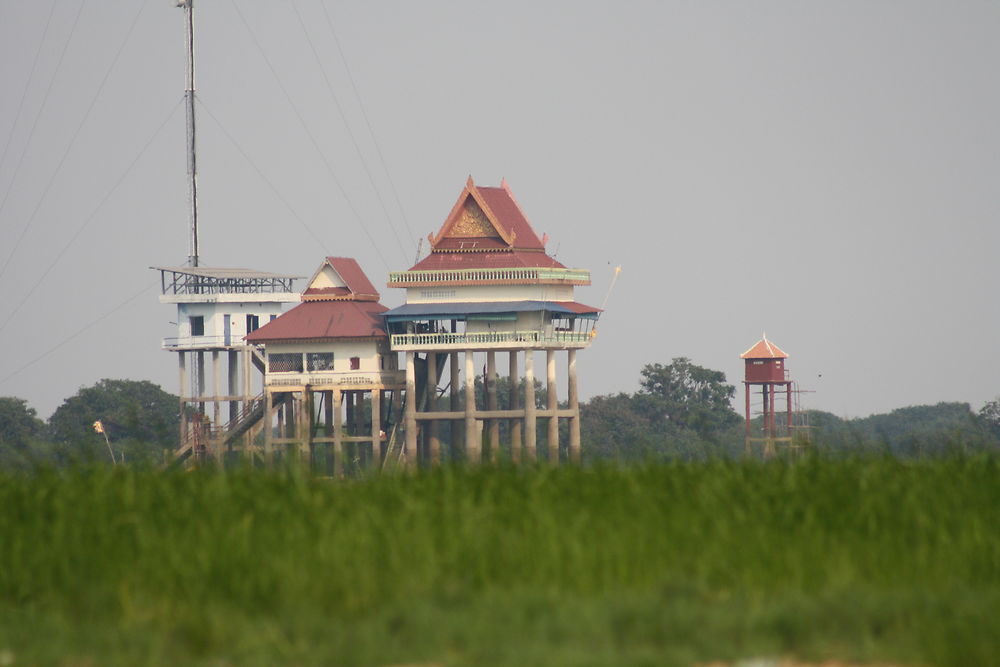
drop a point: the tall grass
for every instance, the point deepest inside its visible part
(658, 564)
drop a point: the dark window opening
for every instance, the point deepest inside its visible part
(284, 363)
(253, 323)
(355, 363)
(197, 325)
(320, 361)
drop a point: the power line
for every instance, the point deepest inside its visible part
(305, 127)
(27, 84)
(86, 327)
(364, 114)
(274, 190)
(76, 134)
(31, 135)
(347, 126)
(9, 317)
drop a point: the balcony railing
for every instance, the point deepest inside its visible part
(202, 342)
(334, 379)
(570, 276)
(489, 339)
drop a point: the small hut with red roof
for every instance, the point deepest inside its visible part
(488, 286)
(330, 350)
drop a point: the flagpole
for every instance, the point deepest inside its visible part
(99, 427)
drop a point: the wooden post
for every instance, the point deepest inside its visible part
(307, 420)
(491, 404)
(433, 438)
(574, 405)
(411, 411)
(473, 445)
(512, 398)
(553, 405)
(338, 433)
(455, 404)
(530, 420)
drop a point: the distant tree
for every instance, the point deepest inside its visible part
(19, 427)
(990, 416)
(138, 416)
(685, 395)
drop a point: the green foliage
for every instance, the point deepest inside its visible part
(682, 411)
(872, 560)
(19, 427)
(990, 416)
(688, 396)
(139, 417)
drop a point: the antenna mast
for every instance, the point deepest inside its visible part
(192, 164)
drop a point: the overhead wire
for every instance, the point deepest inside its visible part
(350, 132)
(9, 316)
(27, 84)
(76, 134)
(27, 144)
(79, 331)
(236, 144)
(312, 138)
(364, 114)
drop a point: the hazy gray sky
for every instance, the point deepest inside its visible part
(827, 172)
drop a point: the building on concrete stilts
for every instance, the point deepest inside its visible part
(220, 375)
(332, 387)
(488, 290)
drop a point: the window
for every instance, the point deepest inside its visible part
(284, 363)
(253, 323)
(319, 361)
(355, 363)
(197, 325)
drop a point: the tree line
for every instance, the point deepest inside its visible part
(681, 411)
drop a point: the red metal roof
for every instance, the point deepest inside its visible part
(358, 285)
(324, 319)
(764, 349)
(579, 307)
(510, 216)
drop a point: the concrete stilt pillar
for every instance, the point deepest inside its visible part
(473, 445)
(376, 428)
(328, 431)
(220, 453)
(530, 420)
(433, 437)
(574, 405)
(182, 368)
(338, 433)
(268, 429)
(307, 420)
(411, 411)
(514, 391)
(492, 404)
(233, 375)
(457, 432)
(552, 406)
(200, 375)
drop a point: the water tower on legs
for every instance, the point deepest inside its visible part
(765, 368)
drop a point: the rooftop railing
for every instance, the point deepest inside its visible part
(574, 276)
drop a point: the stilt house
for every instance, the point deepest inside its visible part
(487, 286)
(329, 353)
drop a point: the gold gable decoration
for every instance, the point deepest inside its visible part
(473, 222)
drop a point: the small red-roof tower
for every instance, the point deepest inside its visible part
(765, 367)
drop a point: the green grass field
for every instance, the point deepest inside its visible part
(860, 559)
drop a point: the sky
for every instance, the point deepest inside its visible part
(824, 172)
